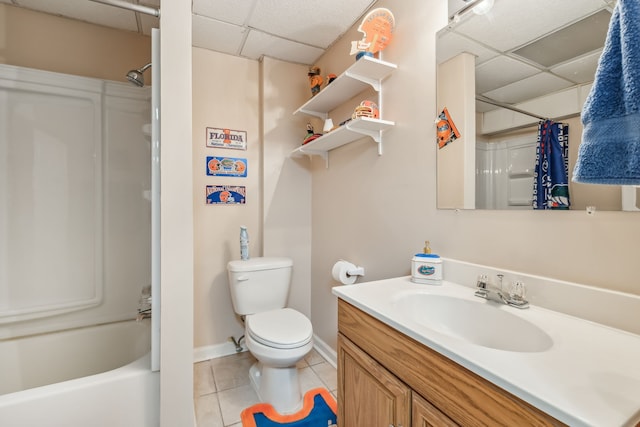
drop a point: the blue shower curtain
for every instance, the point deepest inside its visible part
(551, 183)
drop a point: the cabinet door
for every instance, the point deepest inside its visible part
(424, 414)
(368, 394)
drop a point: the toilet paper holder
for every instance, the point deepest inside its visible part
(346, 272)
(357, 271)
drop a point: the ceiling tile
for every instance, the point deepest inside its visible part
(259, 44)
(529, 88)
(216, 35)
(501, 71)
(87, 11)
(521, 21)
(231, 11)
(581, 70)
(451, 44)
(577, 39)
(314, 23)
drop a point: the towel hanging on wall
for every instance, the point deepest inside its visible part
(610, 149)
(551, 176)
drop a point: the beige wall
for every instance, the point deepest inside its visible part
(258, 97)
(225, 95)
(287, 180)
(46, 42)
(377, 211)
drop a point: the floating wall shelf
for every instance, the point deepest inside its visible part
(345, 134)
(365, 73)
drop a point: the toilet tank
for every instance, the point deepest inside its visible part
(259, 284)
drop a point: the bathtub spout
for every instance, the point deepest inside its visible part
(143, 315)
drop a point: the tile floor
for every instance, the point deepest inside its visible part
(222, 389)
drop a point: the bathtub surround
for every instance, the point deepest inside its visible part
(77, 166)
(119, 389)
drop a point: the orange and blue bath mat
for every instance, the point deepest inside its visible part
(318, 410)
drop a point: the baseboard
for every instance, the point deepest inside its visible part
(212, 351)
(201, 354)
(325, 351)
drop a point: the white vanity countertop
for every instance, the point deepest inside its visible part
(589, 377)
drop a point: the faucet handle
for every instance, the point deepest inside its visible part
(482, 281)
(518, 291)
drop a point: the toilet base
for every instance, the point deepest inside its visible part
(279, 387)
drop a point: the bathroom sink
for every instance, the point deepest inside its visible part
(481, 322)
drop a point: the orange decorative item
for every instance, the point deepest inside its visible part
(446, 130)
(366, 109)
(315, 80)
(377, 27)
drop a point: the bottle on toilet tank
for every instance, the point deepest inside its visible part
(244, 243)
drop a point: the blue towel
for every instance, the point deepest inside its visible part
(610, 149)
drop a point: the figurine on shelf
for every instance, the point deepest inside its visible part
(315, 80)
(311, 135)
(331, 77)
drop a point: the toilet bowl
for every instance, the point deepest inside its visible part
(278, 337)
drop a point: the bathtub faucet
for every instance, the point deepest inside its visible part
(144, 304)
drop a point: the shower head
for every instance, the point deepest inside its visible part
(136, 77)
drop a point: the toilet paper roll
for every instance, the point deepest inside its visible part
(340, 272)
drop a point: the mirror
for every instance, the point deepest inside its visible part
(499, 74)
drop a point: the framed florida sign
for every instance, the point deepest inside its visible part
(226, 194)
(226, 138)
(226, 166)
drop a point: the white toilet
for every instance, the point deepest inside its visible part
(278, 337)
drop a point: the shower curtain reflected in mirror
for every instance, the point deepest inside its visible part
(551, 177)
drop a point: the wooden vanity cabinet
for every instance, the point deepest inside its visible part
(374, 396)
(386, 378)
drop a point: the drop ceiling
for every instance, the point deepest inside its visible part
(526, 49)
(291, 30)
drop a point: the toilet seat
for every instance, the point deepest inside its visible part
(283, 328)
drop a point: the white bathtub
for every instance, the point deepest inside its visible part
(98, 376)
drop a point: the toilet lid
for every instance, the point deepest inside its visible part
(283, 328)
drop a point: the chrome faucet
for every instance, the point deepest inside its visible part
(514, 298)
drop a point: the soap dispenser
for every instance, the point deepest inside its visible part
(426, 267)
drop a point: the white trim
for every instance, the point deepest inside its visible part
(200, 354)
(207, 352)
(325, 351)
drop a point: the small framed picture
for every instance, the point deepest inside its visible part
(226, 166)
(225, 194)
(226, 138)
